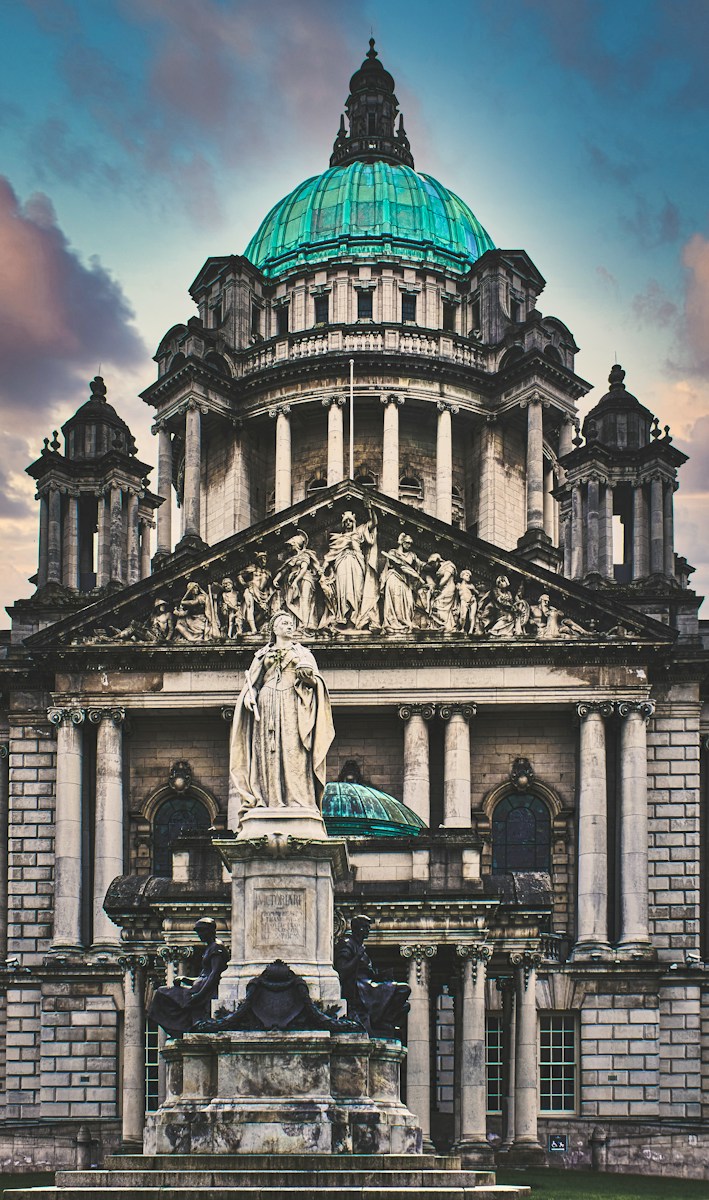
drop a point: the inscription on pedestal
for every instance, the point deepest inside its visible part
(280, 918)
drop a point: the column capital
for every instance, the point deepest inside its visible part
(4, 750)
(175, 954)
(527, 961)
(279, 410)
(420, 954)
(116, 715)
(333, 401)
(195, 406)
(392, 398)
(73, 716)
(448, 406)
(645, 708)
(133, 963)
(473, 955)
(227, 712)
(586, 708)
(427, 711)
(466, 711)
(533, 399)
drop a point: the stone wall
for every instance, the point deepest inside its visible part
(79, 1048)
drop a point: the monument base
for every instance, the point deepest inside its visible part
(282, 1093)
(283, 872)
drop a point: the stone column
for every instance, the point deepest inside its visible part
(657, 532)
(592, 914)
(473, 1145)
(640, 539)
(669, 530)
(283, 456)
(444, 461)
(577, 531)
(390, 446)
(566, 436)
(144, 549)
(417, 786)
(526, 1149)
(102, 545)
(116, 534)
(54, 536)
(535, 464)
(70, 556)
(418, 1061)
(592, 519)
(164, 518)
(67, 828)
(606, 532)
(43, 540)
(456, 765)
(335, 439)
(133, 538)
(108, 839)
(506, 988)
(193, 471)
(133, 1052)
(549, 501)
(634, 929)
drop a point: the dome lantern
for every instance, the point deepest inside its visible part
(372, 109)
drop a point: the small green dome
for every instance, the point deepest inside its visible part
(368, 210)
(357, 810)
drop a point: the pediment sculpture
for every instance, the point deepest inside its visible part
(354, 574)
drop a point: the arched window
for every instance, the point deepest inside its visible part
(410, 488)
(176, 815)
(365, 478)
(521, 834)
(316, 485)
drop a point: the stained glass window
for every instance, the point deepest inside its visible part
(521, 834)
(176, 815)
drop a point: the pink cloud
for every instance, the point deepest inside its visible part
(696, 259)
(58, 316)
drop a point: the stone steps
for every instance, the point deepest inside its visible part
(286, 1162)
(274, 1176)
(305, 1191)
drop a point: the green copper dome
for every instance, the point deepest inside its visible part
(368, 210)
(358, 810)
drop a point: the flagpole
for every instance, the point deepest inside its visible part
(351, 418)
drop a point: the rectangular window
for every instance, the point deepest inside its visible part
(255, 320)
(364, 306)
(152, 1055)
(282, 320)
(449, 316)
(322, 310)
(557, 1062)
(216, 316)
(475, 314)
(514, 311)
(408, 308)
(493, 1062)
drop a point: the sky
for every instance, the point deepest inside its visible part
(139, 137)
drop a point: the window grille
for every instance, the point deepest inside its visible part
(521, 834)
(493, 1062)
(557, 1062)
(152, 1058)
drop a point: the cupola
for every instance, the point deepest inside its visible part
(372, 109)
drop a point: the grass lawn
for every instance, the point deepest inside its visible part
(8, 1183)
(590, 1185)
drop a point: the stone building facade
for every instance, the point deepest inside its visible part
(371, 423)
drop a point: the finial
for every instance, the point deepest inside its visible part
(616, 378)
(55, 444)
(371, 53)
(668, 435)
(98, 389)
(45, 447)
(655, 431)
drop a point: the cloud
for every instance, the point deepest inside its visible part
(619, 171)
(217, 88)
(58, 316)
(695, 258)
(653, 306)
(653, 227)
(608, 279)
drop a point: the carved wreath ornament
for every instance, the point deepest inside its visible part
(351, 584)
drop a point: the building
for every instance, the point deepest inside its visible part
(513, 652)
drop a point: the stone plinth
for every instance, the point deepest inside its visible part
(283, 900)
(282, 1093)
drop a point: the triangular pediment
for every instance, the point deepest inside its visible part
(352, 566)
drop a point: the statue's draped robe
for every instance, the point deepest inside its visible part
(279, 761)
(398, 579)
(176, 1009)
(353, 557)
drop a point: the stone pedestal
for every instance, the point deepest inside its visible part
(283, 868)
(282, 1093)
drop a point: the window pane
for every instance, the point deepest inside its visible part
(179, 814)
(521, 834)
(408, 308)
(557, 1062)
(322, 310)
(493, 1063)
(151, 1066)
(282, 320)
(364, 306)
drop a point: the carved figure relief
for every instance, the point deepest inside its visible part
(354, 587)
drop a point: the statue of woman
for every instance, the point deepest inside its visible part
(400, 581)
(282, 725)
(378, 1004)
(177, 1009)
(298, 579)
(350, 583)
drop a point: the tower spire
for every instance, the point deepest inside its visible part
(372, 109)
